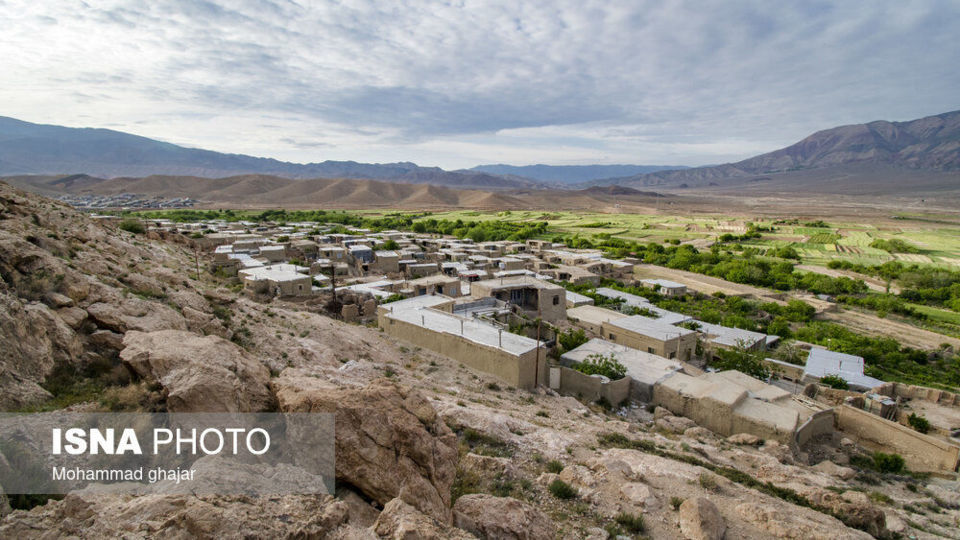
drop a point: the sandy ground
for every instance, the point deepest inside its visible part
(705, 284)
(907, 334)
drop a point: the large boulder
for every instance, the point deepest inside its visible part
(390, 442)
(34, 340)
(400, 521)
(501, 518)
(700, 519)
(199, 373)
(779, 522)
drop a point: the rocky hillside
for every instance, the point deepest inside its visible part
(931, 143)
(101, 319)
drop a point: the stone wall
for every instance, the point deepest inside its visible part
(921, 452)
(909, 391)
(573, 383)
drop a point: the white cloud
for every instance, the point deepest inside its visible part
(460, 83)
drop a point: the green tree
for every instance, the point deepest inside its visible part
(599, 364)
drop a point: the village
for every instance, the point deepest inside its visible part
(503, 308)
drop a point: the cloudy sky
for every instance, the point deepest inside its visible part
(461, 83)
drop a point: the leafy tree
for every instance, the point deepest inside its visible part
(599, 364)
(743, 360)
(571, 338)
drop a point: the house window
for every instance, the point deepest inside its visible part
(673, 355)
(612, 338)
(651, 350)
(556, 300)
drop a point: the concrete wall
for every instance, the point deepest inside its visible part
(819, 423)
(583, 386)
(519, 371)
(921, 452)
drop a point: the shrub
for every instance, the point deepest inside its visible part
(919, 423)
(599, 364)
(834, 381)
(708, 482)
(888, 463)
(675, 502)
(554, 466)
(633, 523)
(562, 490)
(134, 226)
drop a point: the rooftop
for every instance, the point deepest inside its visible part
(641, 366)
(823, 362)
(471, 329)
(650, 327)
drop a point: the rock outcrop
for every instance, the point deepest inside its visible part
(501, 518)
(701, 520)
(390, 442)
(160, 516)
(400, 521)
(778, 523)
(199, 374)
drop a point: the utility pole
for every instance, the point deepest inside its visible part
(536, 373)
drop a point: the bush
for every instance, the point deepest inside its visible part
(562, 490)
(675, 502)
(888, 463)
(834, 381)
(708, 482)
(633, 523)
(919, 423)
(554, 466)
(134, 226)
(599, 364)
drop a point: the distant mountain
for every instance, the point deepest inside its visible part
(928, 144)
(572, 174)
(27, 148)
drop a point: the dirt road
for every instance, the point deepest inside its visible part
(874, 284)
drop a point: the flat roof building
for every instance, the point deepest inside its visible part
(643, 368)
(823, 362)
(530, 295)
(652, 336)
(517, 360)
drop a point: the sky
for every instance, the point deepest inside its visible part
(461, 83)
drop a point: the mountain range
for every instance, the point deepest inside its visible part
(887, 156)
(27, 148)
(927, 144)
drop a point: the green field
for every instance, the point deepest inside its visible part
(938, 242)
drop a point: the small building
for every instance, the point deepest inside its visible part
(823, 362)
(732, 338)
(435, 284)
(666, 287)
(274, 253)
(279, 279)
(653, 336)
(387, 262)
(644, 369)
(575, 299)
(531, 296)
(516, 360)
(592, 318)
